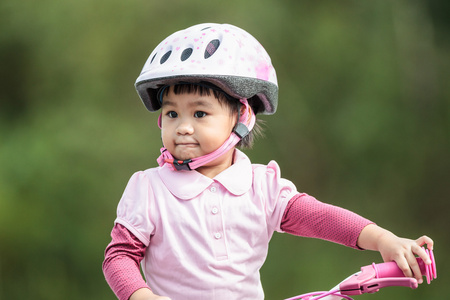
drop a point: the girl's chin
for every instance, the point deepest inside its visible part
(185, 156)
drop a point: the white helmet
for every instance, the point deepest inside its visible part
(221, 54)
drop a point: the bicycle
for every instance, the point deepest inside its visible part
(372, 278)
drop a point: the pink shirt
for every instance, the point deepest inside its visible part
(208, 237)
(233, 250)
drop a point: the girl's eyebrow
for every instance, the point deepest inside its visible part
(167, 103)
(204, 103)
(198, 102)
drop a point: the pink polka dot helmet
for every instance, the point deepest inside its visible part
(221, 54)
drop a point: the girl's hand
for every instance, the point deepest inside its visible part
(403, 252)
(146, 294)
(393, 248)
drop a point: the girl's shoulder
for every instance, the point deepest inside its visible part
(272, 168)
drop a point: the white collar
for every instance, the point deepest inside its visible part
(186, 185)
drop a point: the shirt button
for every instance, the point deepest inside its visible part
(215, 210)
(217, 235)
(213, 189)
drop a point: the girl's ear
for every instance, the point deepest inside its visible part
(242, 109)
(159, 121)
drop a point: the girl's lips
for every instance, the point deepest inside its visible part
(187, 144)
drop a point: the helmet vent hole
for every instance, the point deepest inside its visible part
(206, 28)
(211, 48)
(165, 57)
(186, 53)
(153, 58)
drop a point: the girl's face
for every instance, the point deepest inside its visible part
(193, 125)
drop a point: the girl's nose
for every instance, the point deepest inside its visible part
(185, 128)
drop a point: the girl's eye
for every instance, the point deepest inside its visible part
(172, 114)
(199, 114)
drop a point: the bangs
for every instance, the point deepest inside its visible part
(201, 88)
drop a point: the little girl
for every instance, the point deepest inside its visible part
(200, 223)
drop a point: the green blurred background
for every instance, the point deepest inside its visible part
(363, 122)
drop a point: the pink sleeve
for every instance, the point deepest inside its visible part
(121, 265)
(308, 217)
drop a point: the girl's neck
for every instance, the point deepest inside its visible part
(217, 166)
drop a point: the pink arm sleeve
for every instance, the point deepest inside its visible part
(121, 265)
(308, 217)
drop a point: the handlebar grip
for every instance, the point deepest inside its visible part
(390, 269)
(376, 276)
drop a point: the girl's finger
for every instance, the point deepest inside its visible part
(424, 240)
(403, 265)
(414, 266)
(420, 251)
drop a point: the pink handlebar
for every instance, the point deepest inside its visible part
(390, 269)
(376, 276)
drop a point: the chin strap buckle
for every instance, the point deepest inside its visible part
(179, 165)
